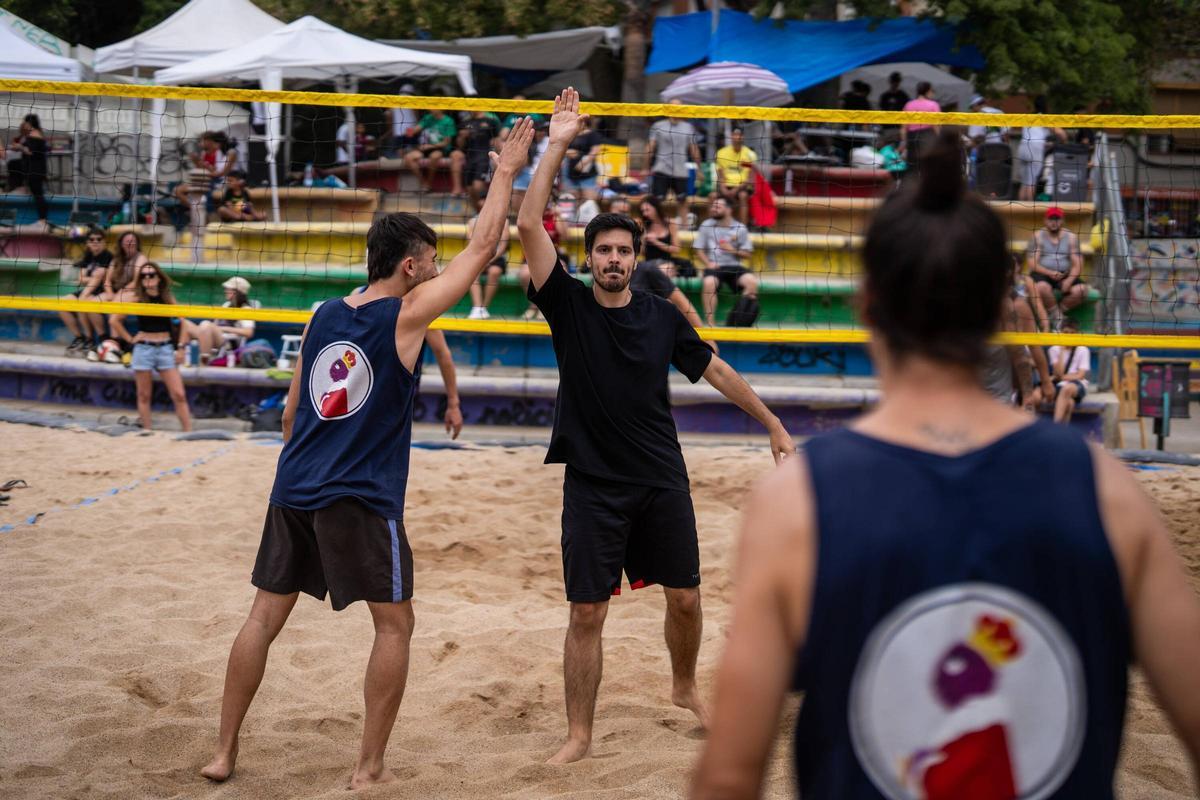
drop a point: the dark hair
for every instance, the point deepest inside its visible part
(937, 264)
(656, 203)
(923, 87)
(862, 87)
(895, 77)
(1039, 104)
(164, 285)
(393, 238)
(239, 299)
(610, 222)
(240, 174)
(33, 121)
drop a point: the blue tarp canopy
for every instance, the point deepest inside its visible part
(804, 53)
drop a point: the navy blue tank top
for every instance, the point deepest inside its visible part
(353, 424)
(968, 635)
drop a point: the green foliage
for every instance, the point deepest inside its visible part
(90, 22)
(1076, 53)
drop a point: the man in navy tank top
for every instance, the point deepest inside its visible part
(335, 523)
(960, 627)
(626, 505)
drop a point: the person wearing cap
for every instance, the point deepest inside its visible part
(1054, 262)
(404, 134)
(215, 334)
(985, 134)
(233, 202)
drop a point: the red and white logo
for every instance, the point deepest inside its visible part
(971, 690)
(340, 380)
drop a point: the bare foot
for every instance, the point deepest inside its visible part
(221, 767)
(690, 699)
(361, 779)
(572, 751)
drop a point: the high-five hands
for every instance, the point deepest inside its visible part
(566, 122)
(514, 153)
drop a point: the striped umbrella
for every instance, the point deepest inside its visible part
(729, 83)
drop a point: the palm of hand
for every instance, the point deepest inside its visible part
(564, 125)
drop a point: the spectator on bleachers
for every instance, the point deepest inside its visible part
(1031, 153)
(1054, 262)
(233, 203)
(858, 98)
(735, 175)
(541, 141)
(512, 119)
(915, 137)
(119, 279)
(1069, 367)
(217, 157)
(436, 132)
(722, 245)
(660, 240)
(359, 144)
(483, 291)
(579, 169)
(893, 160)
(88, 328)
(30, 168)
(619, 204)
(217, 335)
(672, 144)
(404, 133)
(479, 135)
(154, 346)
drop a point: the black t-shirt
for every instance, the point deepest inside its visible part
(649, 278)
(613, 414)
(480, 133)
(893, 101)
(93, 261)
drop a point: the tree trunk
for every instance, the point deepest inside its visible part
(633, 82)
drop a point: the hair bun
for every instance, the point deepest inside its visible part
(941, 183)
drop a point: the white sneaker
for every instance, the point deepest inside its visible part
(484, 313)
(477, 312)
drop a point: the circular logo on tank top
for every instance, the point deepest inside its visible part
(971, 690)
(340, 381)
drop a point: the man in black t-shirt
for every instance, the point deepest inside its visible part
(626, 504)
(475, 139)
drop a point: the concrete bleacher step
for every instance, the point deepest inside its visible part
(429, 205)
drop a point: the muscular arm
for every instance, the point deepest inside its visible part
(540, 253)
(445, 361)
(431, 299)
(728, 382)
(775, 573)
(1163, 610)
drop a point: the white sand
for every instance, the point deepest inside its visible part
(116, 620)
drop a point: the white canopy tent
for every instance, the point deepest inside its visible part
(200, 28)
(21, 59)
(310, 50)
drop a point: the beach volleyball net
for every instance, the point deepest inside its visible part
(279, 189)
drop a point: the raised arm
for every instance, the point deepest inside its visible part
(540, 254)
(429, 300)
(445, 361)
(728, 382)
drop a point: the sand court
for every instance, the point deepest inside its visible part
(117, 617)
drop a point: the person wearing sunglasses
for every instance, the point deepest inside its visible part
(93, 267)
(154, 345)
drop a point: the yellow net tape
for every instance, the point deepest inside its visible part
(765, 336)
(601, 109)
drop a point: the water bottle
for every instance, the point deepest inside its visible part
(308, 174)
(193, 358)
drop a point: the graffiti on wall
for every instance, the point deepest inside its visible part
(1165, 280)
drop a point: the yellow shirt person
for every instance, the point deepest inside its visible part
(735, 163)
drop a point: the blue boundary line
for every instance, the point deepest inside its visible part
(93, 500)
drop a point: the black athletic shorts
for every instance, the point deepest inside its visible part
(610, 526)
(344, 549)
(476, 168)
(728, 276)
(1039, 277)
(498, 261)
(659, 184)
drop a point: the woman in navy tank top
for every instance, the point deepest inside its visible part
(957, 588)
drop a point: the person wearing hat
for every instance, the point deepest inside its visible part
(1054, 262)
(991, 162)
(233, 202)
(217, 334)
(985, 134)
(404, 134)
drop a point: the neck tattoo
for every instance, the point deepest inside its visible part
(947, 437)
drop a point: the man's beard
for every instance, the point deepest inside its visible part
(613, 281)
